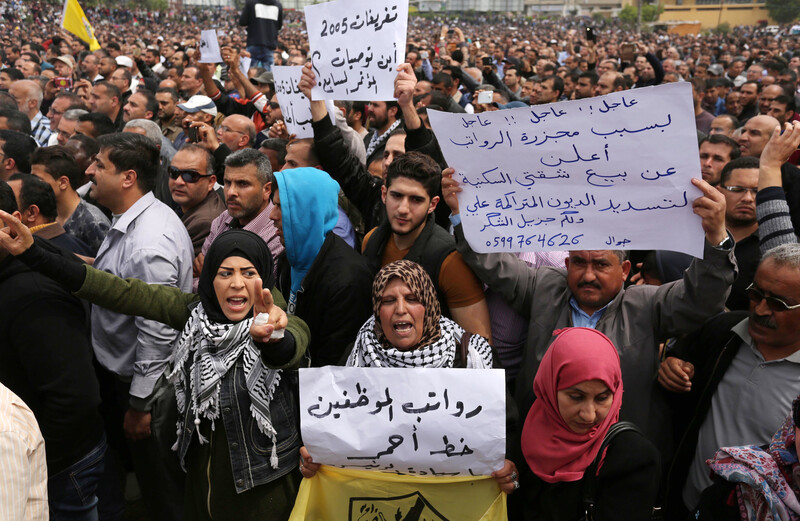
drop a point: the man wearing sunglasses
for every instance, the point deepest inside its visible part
(191, 184)
(741, 373)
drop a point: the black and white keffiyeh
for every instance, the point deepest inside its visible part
(369, 351)
(205, 352)
(378, 141)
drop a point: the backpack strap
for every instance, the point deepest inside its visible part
(589, 481)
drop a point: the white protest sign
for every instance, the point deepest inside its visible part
(356, 46)
(611, 172)
(209, 47)
(295, 106)
(244, 63)
(424, 422)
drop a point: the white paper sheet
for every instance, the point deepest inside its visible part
(295, 106)
(356, 46)
(610, 172)
(209, 47)
(421, 422)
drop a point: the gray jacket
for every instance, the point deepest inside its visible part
(637, 320)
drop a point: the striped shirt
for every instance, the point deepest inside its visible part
(40, 129)
(23, 467)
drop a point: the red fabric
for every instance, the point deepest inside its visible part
(553, 451)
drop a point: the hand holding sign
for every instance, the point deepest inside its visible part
(209, 47)
(711, 208)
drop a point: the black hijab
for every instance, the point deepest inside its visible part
(232, 243)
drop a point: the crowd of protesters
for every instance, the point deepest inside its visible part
(153, 205)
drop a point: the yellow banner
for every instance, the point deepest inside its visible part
(362, 495)
(74, 20)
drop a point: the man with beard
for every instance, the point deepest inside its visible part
(748, 100)
(739, 185)
(384, 118)
(247, 193)
(167, 116)
(741, 374)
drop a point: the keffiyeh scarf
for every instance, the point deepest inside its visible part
(370, 352)
(378, 141)
(206, 351)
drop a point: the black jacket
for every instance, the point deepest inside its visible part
(262, 25)
(627, 486)
(711, 349)
(46, 359)
(358, 185)
(335, 298)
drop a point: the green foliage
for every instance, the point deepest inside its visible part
(723, 28)
(649, 13)
(783, 11)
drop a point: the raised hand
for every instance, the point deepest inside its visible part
(276, 318)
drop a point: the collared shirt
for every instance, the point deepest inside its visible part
(582, 319)
(23, 467)
(89, 224)
(261, 225)
(751, 402)
(40, 129)
(150, 243)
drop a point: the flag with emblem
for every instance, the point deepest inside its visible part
(74, 20)
(362, 495)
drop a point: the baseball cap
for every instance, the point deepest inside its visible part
(124, 61)
(198, 102)
(66, 59)
(264, 77)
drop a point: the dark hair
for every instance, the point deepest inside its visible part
(250, 156)
(169, 90)
(34, 191)
(722, 139)
(751, 82)
(278, 145)
(7, 101)
(16, 120)
(736, 164)
(58, 161)
(443, 78)
(439, 98)
(786, 100)
(202, 151)
(101, 122)
(19, 147)
(700, 86)
(417, 167)
(112, 89)
(75, 101)
(87, 143)
(113, 45)
(592, 75)
(558, 83)
(151, 104)
(128, 151)
(734, 120)
(361, 106)
(13, 73)
(8, 202)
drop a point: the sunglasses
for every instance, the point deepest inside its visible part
(773, 303)
(188, 176)
(740, 189)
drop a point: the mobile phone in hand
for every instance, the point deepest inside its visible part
(590, 36)
(192, 135)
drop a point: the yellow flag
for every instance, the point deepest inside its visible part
(356, 495)
(74, 20)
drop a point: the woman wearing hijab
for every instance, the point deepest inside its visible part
(754, 483)
(238, 437)
(407, 329)
(578, 392)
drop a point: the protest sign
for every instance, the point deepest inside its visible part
(295, 106)
(209, 47)
(356, 46)
(420, 422)
(611, 172)
(244, 64)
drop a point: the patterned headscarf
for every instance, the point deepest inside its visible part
(417, 279)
